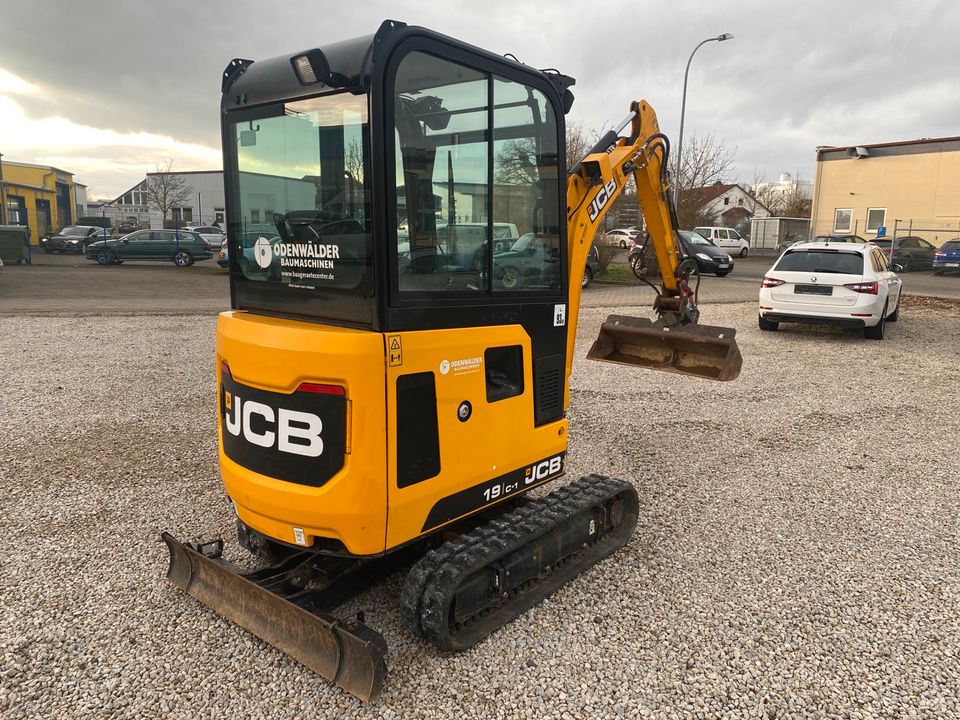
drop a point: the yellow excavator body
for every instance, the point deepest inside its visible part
(406, 247)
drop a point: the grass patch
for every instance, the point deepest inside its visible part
(617, 273)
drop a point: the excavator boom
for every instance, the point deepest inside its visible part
(674, 342)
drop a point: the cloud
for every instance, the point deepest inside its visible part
(795, 76)
(109, 161)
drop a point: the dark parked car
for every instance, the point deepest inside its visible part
(910, 253)
(709, 257)
(947, 258)
(531, 262)
(129, 225)
(592, 268)
(73, 238)
(181, 247)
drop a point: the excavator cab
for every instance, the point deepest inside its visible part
(393, 373)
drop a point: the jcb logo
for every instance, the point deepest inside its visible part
(543, 470)
(282, 427)
(601, 199)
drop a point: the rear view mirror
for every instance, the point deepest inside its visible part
(896, 267)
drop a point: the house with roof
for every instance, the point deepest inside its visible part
(730, 204)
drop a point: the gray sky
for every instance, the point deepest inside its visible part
(107, 88)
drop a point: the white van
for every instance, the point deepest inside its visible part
(726, 238)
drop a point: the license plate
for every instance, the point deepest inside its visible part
(723, 266)
(813, 290)
(951, 264)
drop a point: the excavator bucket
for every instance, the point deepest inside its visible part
(348, 653)
(699, 350)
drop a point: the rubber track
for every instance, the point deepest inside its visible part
(431, 583)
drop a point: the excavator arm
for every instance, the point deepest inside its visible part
(674, 342)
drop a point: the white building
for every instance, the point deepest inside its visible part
(732, 205)
(785, 186)
(204, 207)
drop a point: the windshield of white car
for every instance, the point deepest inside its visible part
(821, 261)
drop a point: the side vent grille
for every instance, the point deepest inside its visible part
(548, 389)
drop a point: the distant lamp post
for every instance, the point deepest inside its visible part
(3, 196)
(683, 107)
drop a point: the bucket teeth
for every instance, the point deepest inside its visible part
(700, 350)
(346, 652)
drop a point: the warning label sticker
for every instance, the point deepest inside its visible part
(394, 350)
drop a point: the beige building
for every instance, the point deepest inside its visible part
(910, 187)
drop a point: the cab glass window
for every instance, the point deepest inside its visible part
(526, 246)
(304, 197)
(476, 168)
(441, 138)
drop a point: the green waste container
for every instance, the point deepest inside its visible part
(13, 244)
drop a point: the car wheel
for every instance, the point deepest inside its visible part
(743, 252)
(623, 243)
(765, 324)
(895, 315)
(107, 257)
(876, 332)
(181, 258)
(510, 278)
(723, 274)
(639, 269)
(587, 277)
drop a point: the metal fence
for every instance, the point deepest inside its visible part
(914, 243)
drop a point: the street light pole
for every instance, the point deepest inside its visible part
(3, 196)
(683, 107)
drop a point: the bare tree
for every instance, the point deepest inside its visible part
(165, 189)
(579, 142)
(516, 162)
(705, 162)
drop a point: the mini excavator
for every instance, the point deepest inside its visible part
(406, 246)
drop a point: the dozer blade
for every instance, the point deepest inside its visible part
(699, 350)
(348, 653)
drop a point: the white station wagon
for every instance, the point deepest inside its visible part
(831, 283)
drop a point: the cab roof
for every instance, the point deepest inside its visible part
(352, 65)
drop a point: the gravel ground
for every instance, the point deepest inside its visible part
(797, 554)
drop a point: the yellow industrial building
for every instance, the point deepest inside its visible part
(910, 187)
(41, 197)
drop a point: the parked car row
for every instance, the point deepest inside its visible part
(73, 238)
(182, 247)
